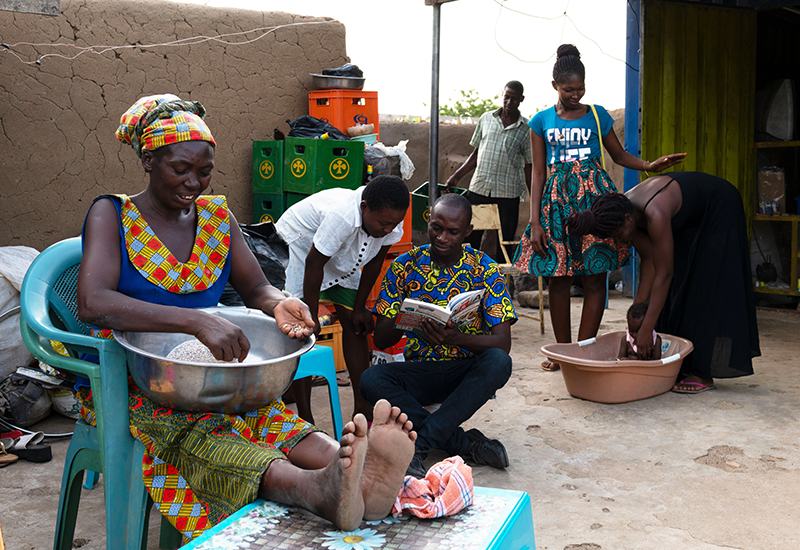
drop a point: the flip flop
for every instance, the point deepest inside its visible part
(5, 457)
(700, 387)
(549, 366)
(343, 379)
(29, 447)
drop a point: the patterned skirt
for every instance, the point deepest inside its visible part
(571, 187)
(201, 467)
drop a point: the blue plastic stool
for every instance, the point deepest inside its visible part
(319, 362)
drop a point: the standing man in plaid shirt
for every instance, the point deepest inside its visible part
(502, 163)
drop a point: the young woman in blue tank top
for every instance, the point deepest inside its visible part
(569, 139)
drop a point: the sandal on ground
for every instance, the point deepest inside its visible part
(6, 458)
(343, 379)
(549, 366)
(29, 447)
(695, 387)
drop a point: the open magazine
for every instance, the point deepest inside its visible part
(461, 309)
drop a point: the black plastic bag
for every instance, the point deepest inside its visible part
(348, 69)
(310, 127)
(272, 255)
(767, 272)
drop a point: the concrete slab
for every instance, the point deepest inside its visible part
(710, 471)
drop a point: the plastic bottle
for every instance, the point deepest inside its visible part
(369, 172)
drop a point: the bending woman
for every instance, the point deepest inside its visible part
(567, 138)
(689, 230)
(148, 261)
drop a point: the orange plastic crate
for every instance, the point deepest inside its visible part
(405, 244)
(345, 108)
(331, 336)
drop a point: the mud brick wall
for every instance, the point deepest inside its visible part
(57, 118)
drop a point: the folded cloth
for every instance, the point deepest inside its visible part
(446, 490)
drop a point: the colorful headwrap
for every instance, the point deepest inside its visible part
(158, 120)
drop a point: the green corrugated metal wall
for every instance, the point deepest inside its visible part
(698, 89)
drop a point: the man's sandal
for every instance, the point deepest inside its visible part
(550, 367)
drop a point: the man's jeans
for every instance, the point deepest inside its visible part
(462, 386)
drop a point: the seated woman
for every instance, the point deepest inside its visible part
(627, 346)
(148, 261)
(689, 230)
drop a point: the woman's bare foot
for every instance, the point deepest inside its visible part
(345, 505)
(391, 448)
(333, 492)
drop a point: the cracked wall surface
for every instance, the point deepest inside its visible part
(57, 119)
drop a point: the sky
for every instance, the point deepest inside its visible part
(483, 45)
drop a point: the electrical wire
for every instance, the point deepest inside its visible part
(566, 17)
(636, 15)
(9, 426)
(766, 260)
(100, 49)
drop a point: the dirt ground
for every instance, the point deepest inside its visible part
(718, 470)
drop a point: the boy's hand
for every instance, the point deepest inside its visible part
(363, 322)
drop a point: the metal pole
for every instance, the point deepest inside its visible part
(433, 159)
(633, 130)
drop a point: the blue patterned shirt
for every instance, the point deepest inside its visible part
(414, 275)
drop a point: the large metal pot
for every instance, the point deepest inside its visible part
(326, 82)
(235, 388)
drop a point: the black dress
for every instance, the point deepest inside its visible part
(710, 300)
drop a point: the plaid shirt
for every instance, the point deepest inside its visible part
(503, 153)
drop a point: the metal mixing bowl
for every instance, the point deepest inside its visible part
(234, 388)
(326, 82)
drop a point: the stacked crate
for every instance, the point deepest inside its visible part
(345, 108)
(287, 171)
(268, 203)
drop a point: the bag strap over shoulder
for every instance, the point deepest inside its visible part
(599, 136)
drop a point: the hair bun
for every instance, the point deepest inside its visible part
(566, 50)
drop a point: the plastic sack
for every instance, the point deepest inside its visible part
(23, 402)
(399, 150)
(348, 69)
(272, 255)
(309, 127)
(14, 263)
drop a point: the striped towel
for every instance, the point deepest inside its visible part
(445, 490)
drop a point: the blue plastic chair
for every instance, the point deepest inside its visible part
(49, 312)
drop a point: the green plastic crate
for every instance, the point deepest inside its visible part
(311, 165)
(268, 167)
(420, 213)
(268, 207)
(290, 199)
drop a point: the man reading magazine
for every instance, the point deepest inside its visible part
(460, 367)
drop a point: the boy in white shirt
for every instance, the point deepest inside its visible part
(332, 236)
